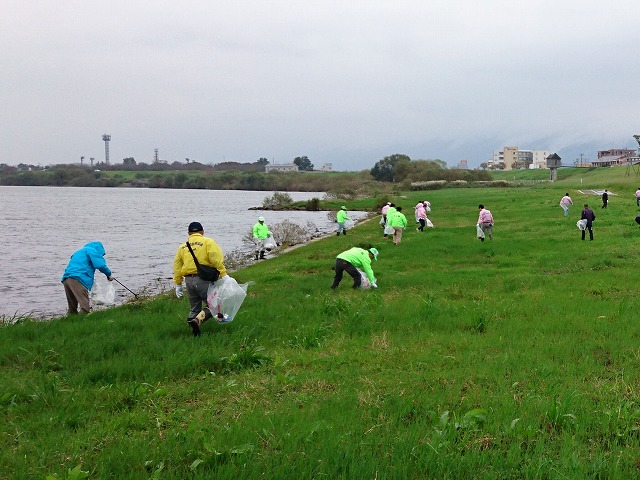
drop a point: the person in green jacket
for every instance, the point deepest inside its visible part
(398, 221)
(341, 217)
(260, 234)
(350, 260)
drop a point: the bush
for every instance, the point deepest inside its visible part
(278, 199)
(312, 205)
(289, 233)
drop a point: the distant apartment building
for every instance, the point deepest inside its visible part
(327, 167)
(463, 165)
(615, 156)
(618, 152)
(514, 158)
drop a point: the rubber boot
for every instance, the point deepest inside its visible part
(338, 234)
(262, 255)
(256, 255)
(344, 232)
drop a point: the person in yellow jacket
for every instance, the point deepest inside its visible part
(398, 221)
(342, 217)
(184, 267)
(350, 260)
(260, 234)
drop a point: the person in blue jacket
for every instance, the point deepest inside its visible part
(78, 276)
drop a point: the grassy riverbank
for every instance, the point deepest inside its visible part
(516, 358)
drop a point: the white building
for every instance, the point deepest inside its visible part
(281, 167)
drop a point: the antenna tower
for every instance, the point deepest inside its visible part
(107, 138)
(155, 156)
(631, 165)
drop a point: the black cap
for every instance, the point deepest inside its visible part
(195, 227)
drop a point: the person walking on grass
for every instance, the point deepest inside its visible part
(342, 217)
(390, 211)
(398, 221)
(588, 215)
(565, 202)
(421, 215)
(605, 198)
(638, 197)
(77, 278)
(350, 260)
(260, 234)
(485, 222)
(415, 210)
(184, 267)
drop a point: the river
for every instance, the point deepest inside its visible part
(40, 227)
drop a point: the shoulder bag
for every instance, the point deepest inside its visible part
(205, 272)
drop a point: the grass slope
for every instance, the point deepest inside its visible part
(516, 358)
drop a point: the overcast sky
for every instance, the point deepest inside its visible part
(342, 82)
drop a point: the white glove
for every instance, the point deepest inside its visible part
(373, 285)
(179, 290)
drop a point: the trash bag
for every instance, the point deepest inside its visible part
(382, 222)
(270, 243)
(388, 230)
(479, 232)
(429, 223)
(225, 297)
(364, 280)
(103, 292)
(582, 224)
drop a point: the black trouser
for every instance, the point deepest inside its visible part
(422, 224)
(344, 266)
(590, 228)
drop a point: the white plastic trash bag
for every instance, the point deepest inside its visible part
(364, 280)
(382, 222)
(270, 243)
(389, 230)
(582, 224)
(103, 292)
(225, 297)
(429, 223)
(479, 232)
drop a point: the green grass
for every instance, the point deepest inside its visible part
(517, 358)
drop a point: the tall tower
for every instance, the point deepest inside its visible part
(107, 138)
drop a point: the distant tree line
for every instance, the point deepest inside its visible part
(400, 168)
(394, 172)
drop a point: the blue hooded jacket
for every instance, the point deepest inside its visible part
(84, 263)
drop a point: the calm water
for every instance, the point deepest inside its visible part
(40, 227)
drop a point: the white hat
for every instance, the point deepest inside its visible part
(261, 219)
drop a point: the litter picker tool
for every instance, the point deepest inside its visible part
(134, 294)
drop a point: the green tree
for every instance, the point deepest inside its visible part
(262, 161)
(385, 170)
(303, 163)
(129, 161)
